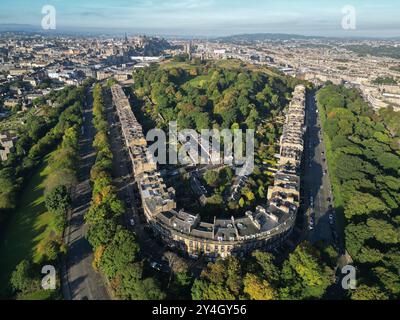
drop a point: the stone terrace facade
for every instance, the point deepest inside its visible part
(264, 228)
(7, 144)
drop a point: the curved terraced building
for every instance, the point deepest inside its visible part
(266, 227)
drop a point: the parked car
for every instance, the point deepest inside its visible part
(159, 266)
(156, 265)
(132, 222)
(312, 224)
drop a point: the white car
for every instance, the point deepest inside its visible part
(132, 222)
(156, 265)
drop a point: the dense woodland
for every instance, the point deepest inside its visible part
(303, 275)
(206, 94)
(363, 152)
(116, 252)
(54, 134)
(39, 135)
(364, 162)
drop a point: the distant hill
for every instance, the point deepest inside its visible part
(284, 36)
(11, 27)
(381, 51)
(264, 37)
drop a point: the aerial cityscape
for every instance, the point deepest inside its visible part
(199, 150)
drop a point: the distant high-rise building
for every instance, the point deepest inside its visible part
(188, 49)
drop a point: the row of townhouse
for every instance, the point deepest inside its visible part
(263, 228)
(285, 193)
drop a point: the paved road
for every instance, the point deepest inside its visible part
(125, 183)
(316, 180)
(150, 248)
(81, 282)
(317, 188)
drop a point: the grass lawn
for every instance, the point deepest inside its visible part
(14, 121)
(230, 64)
(169, 64)
(29, 224)
(38, 295)
(199, 82)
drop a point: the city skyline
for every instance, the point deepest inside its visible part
(209, 17)
(144, 155)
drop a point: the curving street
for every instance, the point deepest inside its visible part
(318, 196)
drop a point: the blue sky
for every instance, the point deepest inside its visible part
(211, 17)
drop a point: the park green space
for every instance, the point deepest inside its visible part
(28, 225)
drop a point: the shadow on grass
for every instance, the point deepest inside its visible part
(29, 224)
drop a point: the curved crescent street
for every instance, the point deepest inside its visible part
(318, 196)
(81, 282)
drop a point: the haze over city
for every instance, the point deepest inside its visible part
(210, 17)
